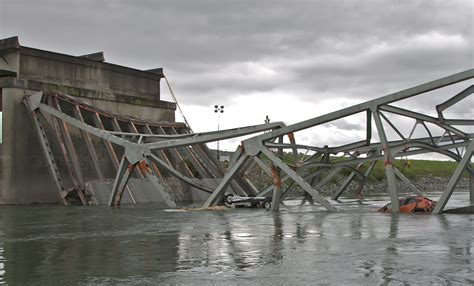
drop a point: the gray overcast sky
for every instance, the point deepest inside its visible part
(291, 60)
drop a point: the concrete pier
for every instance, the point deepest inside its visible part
(24, 71)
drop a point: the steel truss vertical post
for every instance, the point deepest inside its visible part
(300, 181)
(123, 174)
(46, 146)
(471, 186)
(389, 173)
(276, 196)
(276, 177)
(466, 159)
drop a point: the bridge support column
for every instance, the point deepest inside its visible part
(389, 172)
(471, 186)
(276, 188)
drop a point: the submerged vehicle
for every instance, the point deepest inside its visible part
(412, 204)
(247, 202)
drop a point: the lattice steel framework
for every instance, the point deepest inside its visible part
(152, 150)
(146, 150)
(306, 172)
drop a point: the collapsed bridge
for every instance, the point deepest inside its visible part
(150, 152)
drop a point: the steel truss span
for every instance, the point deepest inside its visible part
(156, 150)
(135, 148)
(311, 172)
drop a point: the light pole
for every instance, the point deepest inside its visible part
(218, 109)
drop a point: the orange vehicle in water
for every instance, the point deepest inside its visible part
(412, 204)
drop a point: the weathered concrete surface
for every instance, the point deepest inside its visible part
(49, 67)
(143, 191)
(25, 175)
(24, 70)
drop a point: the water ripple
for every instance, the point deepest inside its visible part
(299, 245)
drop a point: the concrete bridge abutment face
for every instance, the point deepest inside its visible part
(25, 178)
(24, 174)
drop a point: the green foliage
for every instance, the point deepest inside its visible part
(413, 169)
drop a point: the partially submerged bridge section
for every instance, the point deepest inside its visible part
(143, 148)
(84, 132)
(110, 87)
(79, 139)
(149, 153)
(442, 134)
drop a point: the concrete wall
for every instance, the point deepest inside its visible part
(77, 72)
(128, 109)
(24, 70)
(26, 178)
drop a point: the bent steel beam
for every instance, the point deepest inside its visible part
(466, 159)
(385, 149)
(218, 193)
(404, 94)
(123, 174)
(300, 181)
(175, 141)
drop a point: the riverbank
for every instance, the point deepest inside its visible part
(426, 175)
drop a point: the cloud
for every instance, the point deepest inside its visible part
(262, 57)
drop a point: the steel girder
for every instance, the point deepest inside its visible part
(148, 150)
(363, 152)
(152, 150)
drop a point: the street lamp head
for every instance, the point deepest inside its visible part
(218, 108)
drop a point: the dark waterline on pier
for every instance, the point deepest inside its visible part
(51, 245)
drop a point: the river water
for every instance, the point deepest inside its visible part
(302, 244)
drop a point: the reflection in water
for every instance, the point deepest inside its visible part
(300, 245)
(391, 252)
(277, 241)
(2, 265)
